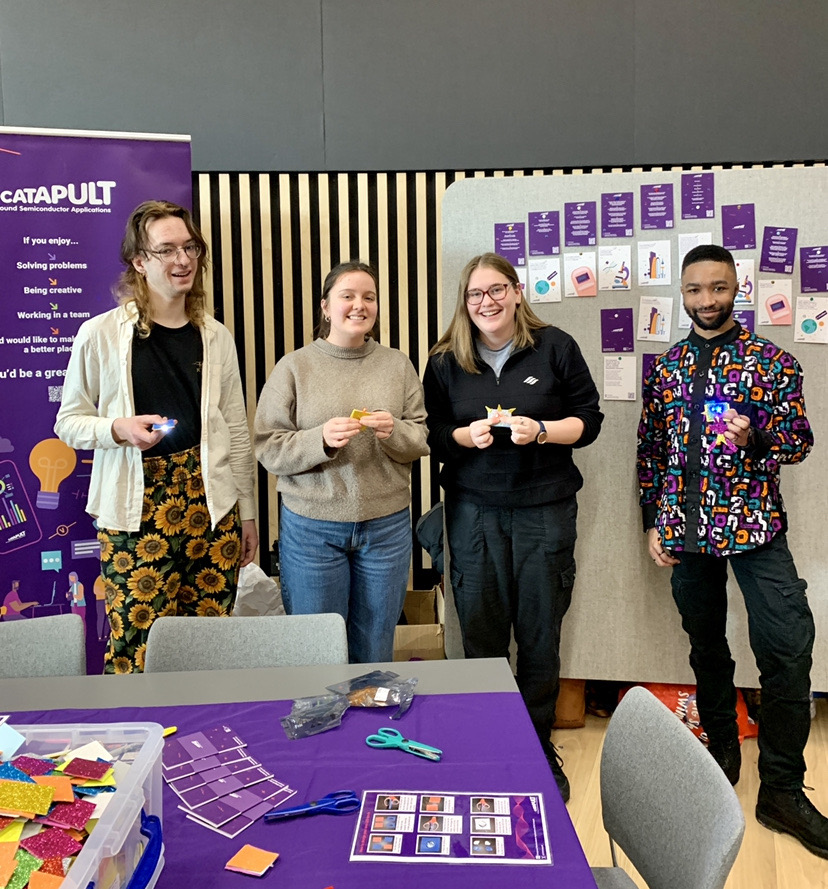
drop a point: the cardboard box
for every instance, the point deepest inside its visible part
(423, 636)
(114, 848)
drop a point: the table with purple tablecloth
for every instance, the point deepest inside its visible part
(489, 747)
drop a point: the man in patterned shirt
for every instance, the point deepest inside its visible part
(723, 409)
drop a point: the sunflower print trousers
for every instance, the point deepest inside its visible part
(175, 564)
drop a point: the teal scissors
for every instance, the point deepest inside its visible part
(340, 802)
(390, 737)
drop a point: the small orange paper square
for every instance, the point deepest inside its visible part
(62, 785)
(40, 880)
(251, 860)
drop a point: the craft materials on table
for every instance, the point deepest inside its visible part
(390, 737)
(467, 828)
(219, 785)
(340, 802)
(49, 805)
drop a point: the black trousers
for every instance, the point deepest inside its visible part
(513, 569)
(781, 630)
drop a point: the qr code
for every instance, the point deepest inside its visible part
(55, 394)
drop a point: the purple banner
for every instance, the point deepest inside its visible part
(545, 233)
(617, 215)
(697, 197)
(510, 242)
(778, 250)
(580, 224)
(657, 206)
(813, 269)
(64, 202)
(738, 226)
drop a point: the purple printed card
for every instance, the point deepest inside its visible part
(580, 224)
(739, 226)
(746, 317)
(813, 270)
(617, 330)
(617, 215)
(222, 737)
(510, 242)
(199, 796)
(245, 765)
(697, 196)
(545, 233)
(657, 206)
(778, 250)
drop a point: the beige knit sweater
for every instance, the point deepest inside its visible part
(369, 477)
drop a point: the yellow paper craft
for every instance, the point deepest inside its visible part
(358, 415)
(61, 784)
(252, 860)
(20, 796)
(40, 880)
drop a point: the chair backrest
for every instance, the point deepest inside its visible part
(178, 644)
(42, 646)
(665, 800)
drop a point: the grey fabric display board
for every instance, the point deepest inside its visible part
(623, 623)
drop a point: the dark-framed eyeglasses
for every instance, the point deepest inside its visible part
(170, 254)
(496, 291)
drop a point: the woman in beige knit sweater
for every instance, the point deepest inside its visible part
(340, 422)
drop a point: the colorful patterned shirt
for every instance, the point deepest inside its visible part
(703, 493)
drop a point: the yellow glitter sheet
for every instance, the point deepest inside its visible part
(20, 796)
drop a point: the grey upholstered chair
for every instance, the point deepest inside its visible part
(178, 644)
(665, 801)
(42, 646)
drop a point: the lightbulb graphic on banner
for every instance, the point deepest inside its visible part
(52, 462)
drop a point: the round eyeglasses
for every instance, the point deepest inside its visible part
(170, 254)
(496, 291)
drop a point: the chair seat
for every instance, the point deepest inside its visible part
(612, 878)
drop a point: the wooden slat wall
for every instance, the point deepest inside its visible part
(274, 236)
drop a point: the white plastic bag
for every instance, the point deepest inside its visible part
(257, 594)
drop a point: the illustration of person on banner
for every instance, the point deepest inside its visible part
(723, 411)
(153, 388)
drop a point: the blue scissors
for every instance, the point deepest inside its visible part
(390, 737)
(340, 802)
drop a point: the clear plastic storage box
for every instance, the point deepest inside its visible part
(115, 847)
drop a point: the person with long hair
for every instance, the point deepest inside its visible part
(508, 398)
(340, 422)
(153, 388)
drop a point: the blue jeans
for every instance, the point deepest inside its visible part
(781, 631)
(356, 569)
(513, 568)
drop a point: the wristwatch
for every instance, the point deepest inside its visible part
(543, 435)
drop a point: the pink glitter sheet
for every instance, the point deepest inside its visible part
(87, 768)
(32, 766)
(51, 843)
(74, 814)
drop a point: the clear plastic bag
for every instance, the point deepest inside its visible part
(381, 688)
(310, 716)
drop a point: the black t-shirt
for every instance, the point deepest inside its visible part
(166, 380)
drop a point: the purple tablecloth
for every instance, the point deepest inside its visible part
(488, 746)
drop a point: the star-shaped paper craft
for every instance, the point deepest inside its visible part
(504, 414)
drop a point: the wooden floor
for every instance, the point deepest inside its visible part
(766, 860)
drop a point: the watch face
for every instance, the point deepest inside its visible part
(541, 439)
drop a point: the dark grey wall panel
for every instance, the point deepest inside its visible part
(722, 81)
(431, 83)
(331, 85)
(243, 79)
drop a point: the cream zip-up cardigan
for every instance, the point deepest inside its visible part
(97, 389)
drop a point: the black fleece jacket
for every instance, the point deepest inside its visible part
(547, 381)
